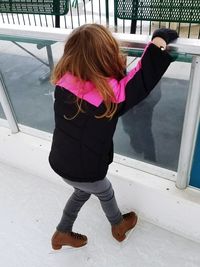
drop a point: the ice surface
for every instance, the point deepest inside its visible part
(30, 209)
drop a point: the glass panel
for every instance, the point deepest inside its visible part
(27, 81)
(194, 178)
(152, 130)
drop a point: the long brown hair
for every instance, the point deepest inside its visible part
(92, 54)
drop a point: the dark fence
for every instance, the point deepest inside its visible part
(96, 11)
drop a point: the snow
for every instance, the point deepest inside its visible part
(31, 207)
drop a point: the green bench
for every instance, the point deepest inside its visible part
(181, 11)
(36, 7)
(42, 7)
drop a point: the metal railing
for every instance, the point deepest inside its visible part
(183, 46)
(90, 11)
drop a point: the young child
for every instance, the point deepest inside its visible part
(91, 92)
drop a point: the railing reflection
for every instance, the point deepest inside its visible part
(2, 115)
(152, 130)
(137, 123)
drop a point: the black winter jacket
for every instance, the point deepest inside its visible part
(82, 148)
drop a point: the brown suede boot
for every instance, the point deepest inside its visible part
(128, 222)
(72, 239)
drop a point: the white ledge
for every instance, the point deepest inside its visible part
(181, 45)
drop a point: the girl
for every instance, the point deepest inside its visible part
(91, 92)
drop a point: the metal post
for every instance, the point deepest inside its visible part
(115, 16)
(7, 106)
(56, 11)
(135, 14)
(107, 12)
(133, 26)
(190, 126)
(50, 64)
(50, 57)
(57, 21)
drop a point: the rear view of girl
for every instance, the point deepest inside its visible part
(92, 92)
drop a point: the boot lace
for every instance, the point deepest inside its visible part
(77, 236)
(127, 215)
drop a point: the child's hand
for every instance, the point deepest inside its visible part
(159, 42)
(167, 35)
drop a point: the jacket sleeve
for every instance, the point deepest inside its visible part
(141, 80)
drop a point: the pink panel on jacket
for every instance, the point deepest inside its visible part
(87, 90)
(119, 87)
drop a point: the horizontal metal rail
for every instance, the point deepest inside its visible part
(182, 45)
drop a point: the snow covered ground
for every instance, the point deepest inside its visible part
(30, 209)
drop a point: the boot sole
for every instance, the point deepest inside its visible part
(57, 247)
(65, 249)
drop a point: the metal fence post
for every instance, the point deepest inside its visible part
(107, 12)
(190, 126)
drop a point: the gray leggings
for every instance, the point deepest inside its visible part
(82, 192)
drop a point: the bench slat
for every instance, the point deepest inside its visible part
(37, 7)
